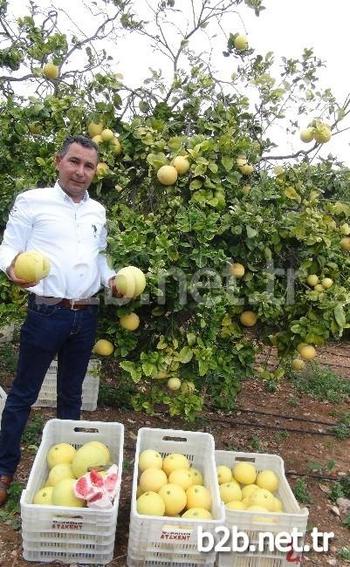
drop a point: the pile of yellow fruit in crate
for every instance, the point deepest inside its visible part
(170, 486)
(79, 477)
(242, 487)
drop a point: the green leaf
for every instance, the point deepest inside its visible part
(195, 184)
(227, 162)
(185, 355)
(291, 193)
(339, 316)
(213, 167)
(148, 369)
(251, 232)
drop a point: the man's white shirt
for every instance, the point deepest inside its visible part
(71, 235)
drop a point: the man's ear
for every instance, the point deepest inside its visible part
(57, 160)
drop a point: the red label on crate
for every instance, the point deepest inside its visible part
(66, 525)
(172, 533)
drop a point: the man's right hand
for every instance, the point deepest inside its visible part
(12, 276)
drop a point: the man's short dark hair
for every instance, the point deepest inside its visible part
(81, 140)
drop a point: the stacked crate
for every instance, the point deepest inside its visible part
(67, 534)
(163, 540)
(48, 393)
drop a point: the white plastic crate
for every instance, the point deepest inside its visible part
(2, 402)
(66, 534)
(253, 523)
(48, 393)
(164, 541)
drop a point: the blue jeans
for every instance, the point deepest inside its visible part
(47, 330)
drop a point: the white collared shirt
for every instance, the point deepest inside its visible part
(71, 235)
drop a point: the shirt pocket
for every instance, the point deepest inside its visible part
(91, 232)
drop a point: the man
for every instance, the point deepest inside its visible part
(69, 228)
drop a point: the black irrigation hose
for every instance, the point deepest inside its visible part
(291, 417)
(274, 427)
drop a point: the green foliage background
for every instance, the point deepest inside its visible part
(281, 223)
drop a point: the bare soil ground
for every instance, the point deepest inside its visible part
(285, 422)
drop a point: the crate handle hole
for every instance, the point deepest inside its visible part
(177, 439)
(245, 459)
(86, 430)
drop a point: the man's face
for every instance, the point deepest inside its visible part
(76, 170)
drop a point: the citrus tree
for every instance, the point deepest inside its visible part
(242, 247)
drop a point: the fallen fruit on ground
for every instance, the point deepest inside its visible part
(298, 364)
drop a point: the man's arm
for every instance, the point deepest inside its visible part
(16, 235)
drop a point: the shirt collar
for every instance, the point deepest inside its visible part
(59, 191)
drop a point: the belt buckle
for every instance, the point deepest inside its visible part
(72, 302)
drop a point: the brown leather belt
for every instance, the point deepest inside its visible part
(76, 304)
(73, 304)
